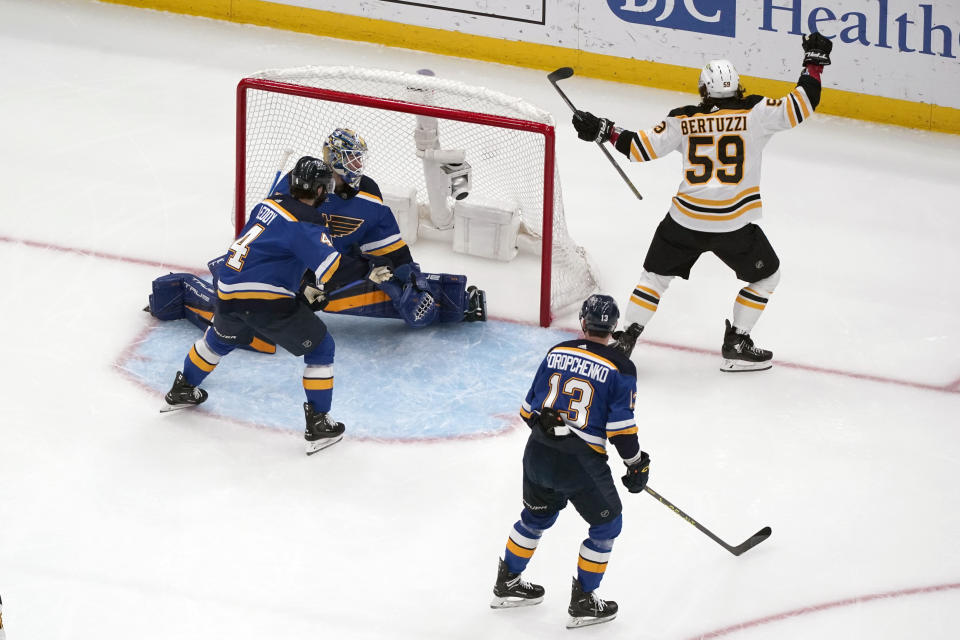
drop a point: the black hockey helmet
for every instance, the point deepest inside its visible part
(309, 175)
(600, 313)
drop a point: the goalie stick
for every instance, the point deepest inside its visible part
(276, 178)
(743, 547)
(562, 74)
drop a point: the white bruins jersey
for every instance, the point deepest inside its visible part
(722, 147)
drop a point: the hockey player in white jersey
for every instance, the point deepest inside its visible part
(718, 201)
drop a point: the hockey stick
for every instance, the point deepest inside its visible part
(283, 161)
(743, 547)
(562, 74)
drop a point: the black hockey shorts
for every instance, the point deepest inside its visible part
(674, 250)
(298, 330)
(552, 477)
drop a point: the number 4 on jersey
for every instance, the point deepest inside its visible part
(240, 248)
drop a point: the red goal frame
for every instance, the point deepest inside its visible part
(256, 84)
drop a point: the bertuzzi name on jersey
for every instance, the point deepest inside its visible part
(713, 124)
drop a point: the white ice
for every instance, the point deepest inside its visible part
(116, 157)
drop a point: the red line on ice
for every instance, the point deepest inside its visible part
(951, 387)
(816, 608)
(98, 254)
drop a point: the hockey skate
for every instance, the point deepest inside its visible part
(626, 340)
(739, 354)
(182, 395)
(587, 608)
(477, 305)
(321, 431)
(512, 591)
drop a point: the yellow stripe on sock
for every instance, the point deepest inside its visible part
(317, 384)
(592, 567)
(750, 303)
(640, 302)
(517, 550)
(199, 362)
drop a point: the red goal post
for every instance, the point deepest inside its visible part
(284, 114)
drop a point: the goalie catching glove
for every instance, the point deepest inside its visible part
(816, 49)
(591, 128)
(637, 474)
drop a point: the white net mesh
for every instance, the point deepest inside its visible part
(507, 164)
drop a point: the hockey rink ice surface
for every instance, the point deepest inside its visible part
(116, 130)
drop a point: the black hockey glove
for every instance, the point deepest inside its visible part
(637, 474)
(816, 49)
(315, 298)
(551, 422)
(591, 128)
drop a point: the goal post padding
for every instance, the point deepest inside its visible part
(509, 143)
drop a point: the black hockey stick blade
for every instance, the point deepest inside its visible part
(742, 548)
(752, 541)
(560, 74)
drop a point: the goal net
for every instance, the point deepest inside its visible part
(446, 155)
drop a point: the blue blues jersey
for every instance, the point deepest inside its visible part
(280, 241)
(594, 387)
(359, 217)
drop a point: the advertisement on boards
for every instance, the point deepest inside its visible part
(903, 49)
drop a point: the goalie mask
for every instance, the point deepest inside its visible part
(719, 79)
(345, 151)
(599, 313)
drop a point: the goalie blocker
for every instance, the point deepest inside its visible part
(419, 299)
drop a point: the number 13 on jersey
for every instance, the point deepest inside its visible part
(581, 395)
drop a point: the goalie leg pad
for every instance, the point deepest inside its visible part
(166, 301)
(179, 296)
(363, 298)
(451, 294)
(182, 295)
(410, 299)
(457, 302)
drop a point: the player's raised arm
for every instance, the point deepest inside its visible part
(638, 146)
(799, 104)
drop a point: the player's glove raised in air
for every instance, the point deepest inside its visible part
(591, 128)
(637, 474)
(816, 49)
(552, 423)
(379, 274)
